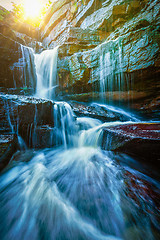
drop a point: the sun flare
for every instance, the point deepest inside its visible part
(32, 8)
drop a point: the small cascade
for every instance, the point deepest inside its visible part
(127, 115)
(11, 121)
(75, 191)
(46, 70)
(64, 122)
(111, 76)
(24, 72)
(29, 72)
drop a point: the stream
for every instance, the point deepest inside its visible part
(75, 190)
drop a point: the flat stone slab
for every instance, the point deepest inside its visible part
(141, 140)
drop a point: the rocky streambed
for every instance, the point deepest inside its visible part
(95, 146)
(33, 120)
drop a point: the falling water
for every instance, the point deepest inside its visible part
(64, 122)
(46, 70)
(112, 78)
(28, 61)
(24, 68)
(75, 190)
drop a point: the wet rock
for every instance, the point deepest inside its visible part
(5, 141)
(122, 69)
(111, 97)
(149, 107)
(77, 36)
(126, 61)
(17, 69)
(9, 55)
(62, 16)
(97, 111)
(44, 137)
(23, 114)
(141, 140)
(143, 195)
(8, 146)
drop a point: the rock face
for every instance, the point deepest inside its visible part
(25, 116)
(17, 69)
(141, 140)
(8, 146)
(106, 46)
(16, 40)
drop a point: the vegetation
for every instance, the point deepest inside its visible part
(3, 13)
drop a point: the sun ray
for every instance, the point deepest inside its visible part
(32, 8)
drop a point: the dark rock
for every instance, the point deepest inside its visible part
(97, 111)
(141, 140)
(8, 146)
(9, 55)
(17, 67)
(23, 114)
(44, 137)
(141, 192)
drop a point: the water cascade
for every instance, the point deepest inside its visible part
(64, 122)
(25, 68)
(111, 67)
(74, 190)
(46, 70)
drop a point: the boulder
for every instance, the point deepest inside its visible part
(98, 111)
(44, 137)
(8, 146)
(22, 115)
(141, 140)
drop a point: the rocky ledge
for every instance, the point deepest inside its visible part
(102, 112)
(106, 46)
(141, 140)
(22, 115)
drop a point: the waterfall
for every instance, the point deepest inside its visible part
(46, 70)
(112, 78)
(64, 122)
(24, 73)
(37, 71)
(29, 67)
(74, 190)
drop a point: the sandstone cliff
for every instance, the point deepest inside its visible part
(111, 46)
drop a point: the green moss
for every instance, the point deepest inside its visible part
(3, 13)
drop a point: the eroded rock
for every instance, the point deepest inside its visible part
(141, 140)
(98, 111)
(22, 115)
(8, 146)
